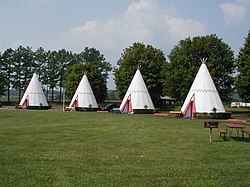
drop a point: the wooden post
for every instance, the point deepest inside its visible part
(210, 125)
(63, 99)
(210, 135)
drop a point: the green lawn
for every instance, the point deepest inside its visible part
(50, 148)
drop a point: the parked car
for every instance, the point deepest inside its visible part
(109, 107)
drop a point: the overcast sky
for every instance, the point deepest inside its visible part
(112, 25)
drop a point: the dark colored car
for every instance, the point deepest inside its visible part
(109, 107)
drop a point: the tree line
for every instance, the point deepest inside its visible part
(172, 77)
(54, 69)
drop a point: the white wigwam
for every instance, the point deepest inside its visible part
(84, 96)
(203, 96)
(137, 96)
(33, 95)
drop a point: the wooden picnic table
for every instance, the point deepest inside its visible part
(231, 126)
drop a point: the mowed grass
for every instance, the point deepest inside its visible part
(48, 148)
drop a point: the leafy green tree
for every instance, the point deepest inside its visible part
(7, 70)
(185, 60)
(95, 77)
(150, 60)
(243, 66)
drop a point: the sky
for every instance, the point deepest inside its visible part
(110, 26)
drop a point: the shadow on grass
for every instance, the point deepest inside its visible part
(221, 140)
(228, 139)
(241, 139)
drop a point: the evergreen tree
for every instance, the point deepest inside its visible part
(7, 70)
(64, 61)
(23, 68)
(93, 56)
(2, 78)
(52, 72)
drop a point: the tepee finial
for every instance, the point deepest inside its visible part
(138, 67)
(204, 60)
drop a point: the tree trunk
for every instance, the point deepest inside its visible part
(8, 93)
(19, 94)
(8, 88)
(60, 94)
(52, 94)
(47, 91)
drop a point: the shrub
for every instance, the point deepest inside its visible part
(38, 107)
(143, 111)
(83, 109)
(204, 115)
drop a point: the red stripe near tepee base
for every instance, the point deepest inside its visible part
(130, 106)
(25, 102)
(191, 104)
(127, 105)
(75, 103)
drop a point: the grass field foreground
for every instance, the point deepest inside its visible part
(48, 148)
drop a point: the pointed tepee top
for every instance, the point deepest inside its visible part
(203, 95)
(204, 61)
(137, 96)
(84, 96)
(33, 95)
(137, 84)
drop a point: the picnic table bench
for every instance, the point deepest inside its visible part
(68, 108)
(245, 131)
(223, 132)
(175, 114)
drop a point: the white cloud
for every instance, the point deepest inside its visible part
(88, 27)
(234, 12)
(141, 19)
(144, 21)
(182, 28)
(243, 2)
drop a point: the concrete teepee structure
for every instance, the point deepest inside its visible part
(203, 96)
(137, 96)
(33, 95)
(84, 96)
